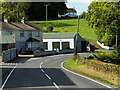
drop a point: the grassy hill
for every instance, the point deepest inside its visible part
(70, 25)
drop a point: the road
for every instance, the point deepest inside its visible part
(47, 73)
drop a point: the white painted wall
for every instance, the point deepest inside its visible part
(105, 47)
(19, 39)
(71, 41)
(23, 39)
(17, 35)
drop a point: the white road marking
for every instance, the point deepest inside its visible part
(7, 78)
(56, 86)
(42, 70)
(41, 65)
(47, 76)
(85, 77)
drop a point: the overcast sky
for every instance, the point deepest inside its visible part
(79, 5)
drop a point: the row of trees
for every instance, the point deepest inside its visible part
(14, 11)
(105, 17)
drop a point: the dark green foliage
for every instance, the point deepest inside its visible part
(37, 11)
(15, 11)
(106, 57)
(104, 16)
(83, 15)
(118, 49)
(50, 28)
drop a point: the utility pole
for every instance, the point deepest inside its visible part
(116, 40)
(46, 13)
(75, 52)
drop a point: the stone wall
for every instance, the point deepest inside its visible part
(9, 55)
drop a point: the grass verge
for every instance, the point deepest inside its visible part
(109, 79)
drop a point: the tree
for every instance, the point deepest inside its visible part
(37, 11)
(14, 11)
(105, 17)
(83, 15)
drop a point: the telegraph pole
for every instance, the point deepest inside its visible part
(46, 13)
(75, 52)
(116, 40)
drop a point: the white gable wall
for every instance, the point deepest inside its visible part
(71, 43)
(23, 39)
(19, 39)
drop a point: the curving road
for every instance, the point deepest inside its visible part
(47, 73)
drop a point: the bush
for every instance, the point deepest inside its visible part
(76, 57)
(92, 56)
(106, 57)
(50, 28)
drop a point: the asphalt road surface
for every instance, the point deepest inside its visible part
(47, 73)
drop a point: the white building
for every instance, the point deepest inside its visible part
(62, 41)
(27, 36)
(71, 13)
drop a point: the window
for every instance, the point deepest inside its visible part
(37, 33)
(21, 33)
(65, 45)
(29, 33)
(8, 32)
(35, 44)
(45, 45)
(21, 46)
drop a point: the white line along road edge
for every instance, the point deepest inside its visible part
(48, 75)
(7, 78)
(84, 76)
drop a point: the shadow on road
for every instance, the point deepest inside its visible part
(34, 77)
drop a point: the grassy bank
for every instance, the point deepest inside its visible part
(110, 79)
(70, 25)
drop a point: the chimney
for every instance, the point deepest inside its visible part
(6, 20)
(22, 20)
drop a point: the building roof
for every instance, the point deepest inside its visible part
(32, 40)
(65, 35)
(4, 39)
(19, 26)
(58, 35)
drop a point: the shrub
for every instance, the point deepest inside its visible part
(50, 28)
(76, 57)
(113, 57)
(90, 56)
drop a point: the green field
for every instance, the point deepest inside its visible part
(70, 25)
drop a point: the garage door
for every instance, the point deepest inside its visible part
(45, 45)
(56, 45)
(65, 45)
